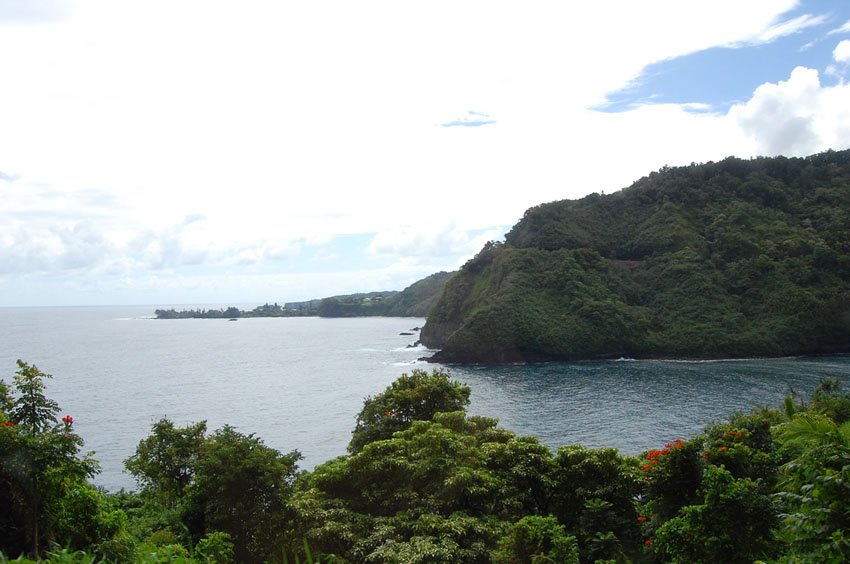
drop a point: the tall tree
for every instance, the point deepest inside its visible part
(165, 461)
(416, 397)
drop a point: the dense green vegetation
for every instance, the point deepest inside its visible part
(729, 259)
(425, 482)
(414, 301)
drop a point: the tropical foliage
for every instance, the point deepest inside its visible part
(426, 482)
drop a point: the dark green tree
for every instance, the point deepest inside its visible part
(673, 476)
(241, 488)
(592, 495)
(32, 408)
(416, 397)
(829, 400)
(734, 523)
(464, 477)
(165, 461)
(43, 479)
(536, 539)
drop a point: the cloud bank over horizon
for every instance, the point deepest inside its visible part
(194, 152)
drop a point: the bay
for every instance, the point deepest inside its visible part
(298, 383)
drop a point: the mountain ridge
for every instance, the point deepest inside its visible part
(736, 258)
(414, 301)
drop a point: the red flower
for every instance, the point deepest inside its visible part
(67, 420)
(7, 424)
(641, 518)
(648, 542)
(653, 454)
(723, 449)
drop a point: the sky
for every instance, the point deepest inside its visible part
(188, 152)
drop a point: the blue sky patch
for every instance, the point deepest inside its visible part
(717, 78)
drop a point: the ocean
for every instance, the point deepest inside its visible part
(298, 383)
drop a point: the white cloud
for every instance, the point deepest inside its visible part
(283, 125)
(431, 239)
(845, 28)
(471, 119)
(796, 117)
(841, 53)
(784, 28)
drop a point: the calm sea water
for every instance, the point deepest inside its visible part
(298, 383)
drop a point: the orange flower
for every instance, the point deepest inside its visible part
(641, 518)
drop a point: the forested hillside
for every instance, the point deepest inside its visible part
(729, 259)
(414, 301)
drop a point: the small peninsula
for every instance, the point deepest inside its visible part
(737, 258)
(414, 301)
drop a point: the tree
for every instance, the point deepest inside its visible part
(416, 397)
(165, 461)
(829, 400)
(454, 484)
(33, 408)
(537, 539)
(241, 488)
(817, 488)
(674, 476)
(734, 523)
(42, 475)
(592, 493)
(6, 400)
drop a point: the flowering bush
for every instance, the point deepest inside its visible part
(744, 447)
(42, 476)
(733, 522)
(672, 476)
